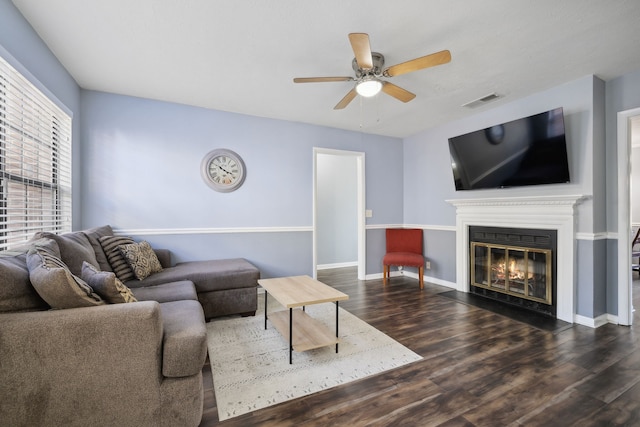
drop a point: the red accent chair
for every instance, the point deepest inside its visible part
(404, 248)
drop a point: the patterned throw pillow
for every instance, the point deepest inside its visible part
(107, 285)
(118, 263)
(141, 258)
(54, 282)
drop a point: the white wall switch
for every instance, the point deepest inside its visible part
(368, 213)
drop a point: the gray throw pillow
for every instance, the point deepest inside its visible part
(141, 258)
(54, 282)
(16, 292)
(107, 285)
(93, 235)
(117, 261)
(74, 247)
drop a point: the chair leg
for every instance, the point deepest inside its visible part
(386, 272)
(421, 276)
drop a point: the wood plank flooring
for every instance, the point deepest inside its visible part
(479, 368)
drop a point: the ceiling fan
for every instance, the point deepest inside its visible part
(368, 67)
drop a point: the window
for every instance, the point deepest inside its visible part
(35, 161)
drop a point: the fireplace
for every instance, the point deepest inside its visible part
(552, 212)
(514, 266)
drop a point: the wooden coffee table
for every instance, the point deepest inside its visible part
(304, 332)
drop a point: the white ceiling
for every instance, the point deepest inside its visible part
(241, 55)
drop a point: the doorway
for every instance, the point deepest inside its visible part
(628, 124)
(355, 162)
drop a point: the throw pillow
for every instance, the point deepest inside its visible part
(117, 261)
(16, 291)
(54, 282)
(141, 258)
(74, 249)
(107, 285)
(93, 235)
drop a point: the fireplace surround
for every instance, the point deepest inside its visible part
(535, 212)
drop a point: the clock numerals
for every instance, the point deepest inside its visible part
(224, 170)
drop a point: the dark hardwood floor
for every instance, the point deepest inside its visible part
(479, 368)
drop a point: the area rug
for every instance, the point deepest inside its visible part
(251, 367)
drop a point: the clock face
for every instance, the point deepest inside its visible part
(223, 170)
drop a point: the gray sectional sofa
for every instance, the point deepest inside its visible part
(77, 347)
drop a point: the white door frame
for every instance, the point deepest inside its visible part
(362, 255)
(625, 300)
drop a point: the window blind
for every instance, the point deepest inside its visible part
(35, 161)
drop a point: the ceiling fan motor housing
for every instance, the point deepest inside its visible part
(378, 64)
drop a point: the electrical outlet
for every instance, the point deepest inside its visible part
(428, 265)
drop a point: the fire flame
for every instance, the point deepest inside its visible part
(514, 271)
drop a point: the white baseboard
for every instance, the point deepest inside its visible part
(603, 319)
(337, 265)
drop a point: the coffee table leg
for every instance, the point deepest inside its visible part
(290, 336)
(337, 325)
(266, 296)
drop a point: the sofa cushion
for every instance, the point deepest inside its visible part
(107, 285)
(184, 346)
(55, 283)
(74, 249)
(173, 291)
(212, 275)
(93, 235)
(116, 260)
(141, 258)
(16, 292)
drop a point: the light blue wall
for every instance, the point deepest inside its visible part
(428, 178)
(141, 168)
(21, 46)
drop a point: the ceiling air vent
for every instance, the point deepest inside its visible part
(477, 102)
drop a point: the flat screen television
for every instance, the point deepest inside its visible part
(527, 151)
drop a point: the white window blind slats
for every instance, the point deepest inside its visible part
(35, 161)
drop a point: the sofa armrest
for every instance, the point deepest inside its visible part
(164, 256)
(76, 363)
(185, 338)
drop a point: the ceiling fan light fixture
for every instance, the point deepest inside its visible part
(368, 86)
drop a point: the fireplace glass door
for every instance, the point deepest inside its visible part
(518, 271)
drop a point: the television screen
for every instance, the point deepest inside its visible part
(527, 151)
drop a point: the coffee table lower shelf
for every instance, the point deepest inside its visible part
(308, 333)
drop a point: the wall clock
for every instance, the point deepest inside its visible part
(223, 170)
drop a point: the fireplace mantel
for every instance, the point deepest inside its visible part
(543, 212)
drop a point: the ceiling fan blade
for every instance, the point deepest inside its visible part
(397, 92)
(321, 79)
(427, 61)
(346, 100)
(362, 49)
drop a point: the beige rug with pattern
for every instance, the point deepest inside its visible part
(251, 367)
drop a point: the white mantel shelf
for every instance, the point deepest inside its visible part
(561, 200)
(555, 212)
